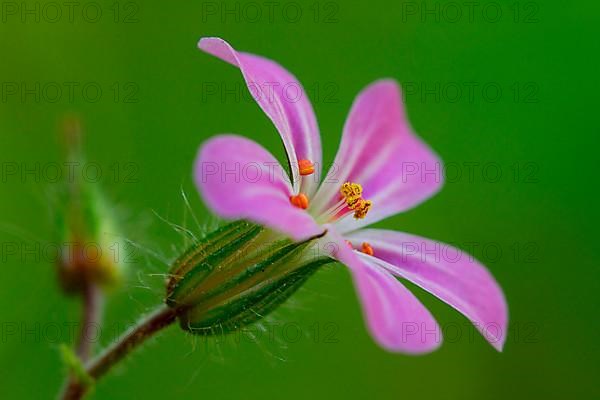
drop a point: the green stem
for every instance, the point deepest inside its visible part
(96, 368)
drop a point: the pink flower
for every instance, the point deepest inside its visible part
(376, 150)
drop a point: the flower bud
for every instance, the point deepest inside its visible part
(237, 275)
(91, 251)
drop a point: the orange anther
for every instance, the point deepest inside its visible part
(306, 167)
(367, 249)
(300, 201)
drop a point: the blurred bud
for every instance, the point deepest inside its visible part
(237, 275)
(91, 249)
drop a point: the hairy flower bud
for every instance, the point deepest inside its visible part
(237, 275)
(91, 250)
(91, 253)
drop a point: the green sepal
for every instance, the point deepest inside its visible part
(248, 307)
(237, 275)
(200, 261)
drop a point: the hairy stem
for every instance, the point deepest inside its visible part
(96, 368)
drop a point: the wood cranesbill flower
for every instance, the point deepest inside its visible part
(369, 181)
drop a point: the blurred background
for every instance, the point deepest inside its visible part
(504, 91)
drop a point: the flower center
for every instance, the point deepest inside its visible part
(351, 202)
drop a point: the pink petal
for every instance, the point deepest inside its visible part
(379, 150)
(238, 178)
(283, 99)
(446, 272)
(394, 316)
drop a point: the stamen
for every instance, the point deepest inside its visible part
(361, 208)
(300, 201)
(351, 201)
(336, 208)
(351, 192)
(367, 249)
(349, 243)
(306, 167)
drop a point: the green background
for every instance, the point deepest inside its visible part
(544, 219)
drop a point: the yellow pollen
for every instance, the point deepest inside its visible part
(361, 208)
(352, 193)
(306, 167)
(300, 201)
(367, 249)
